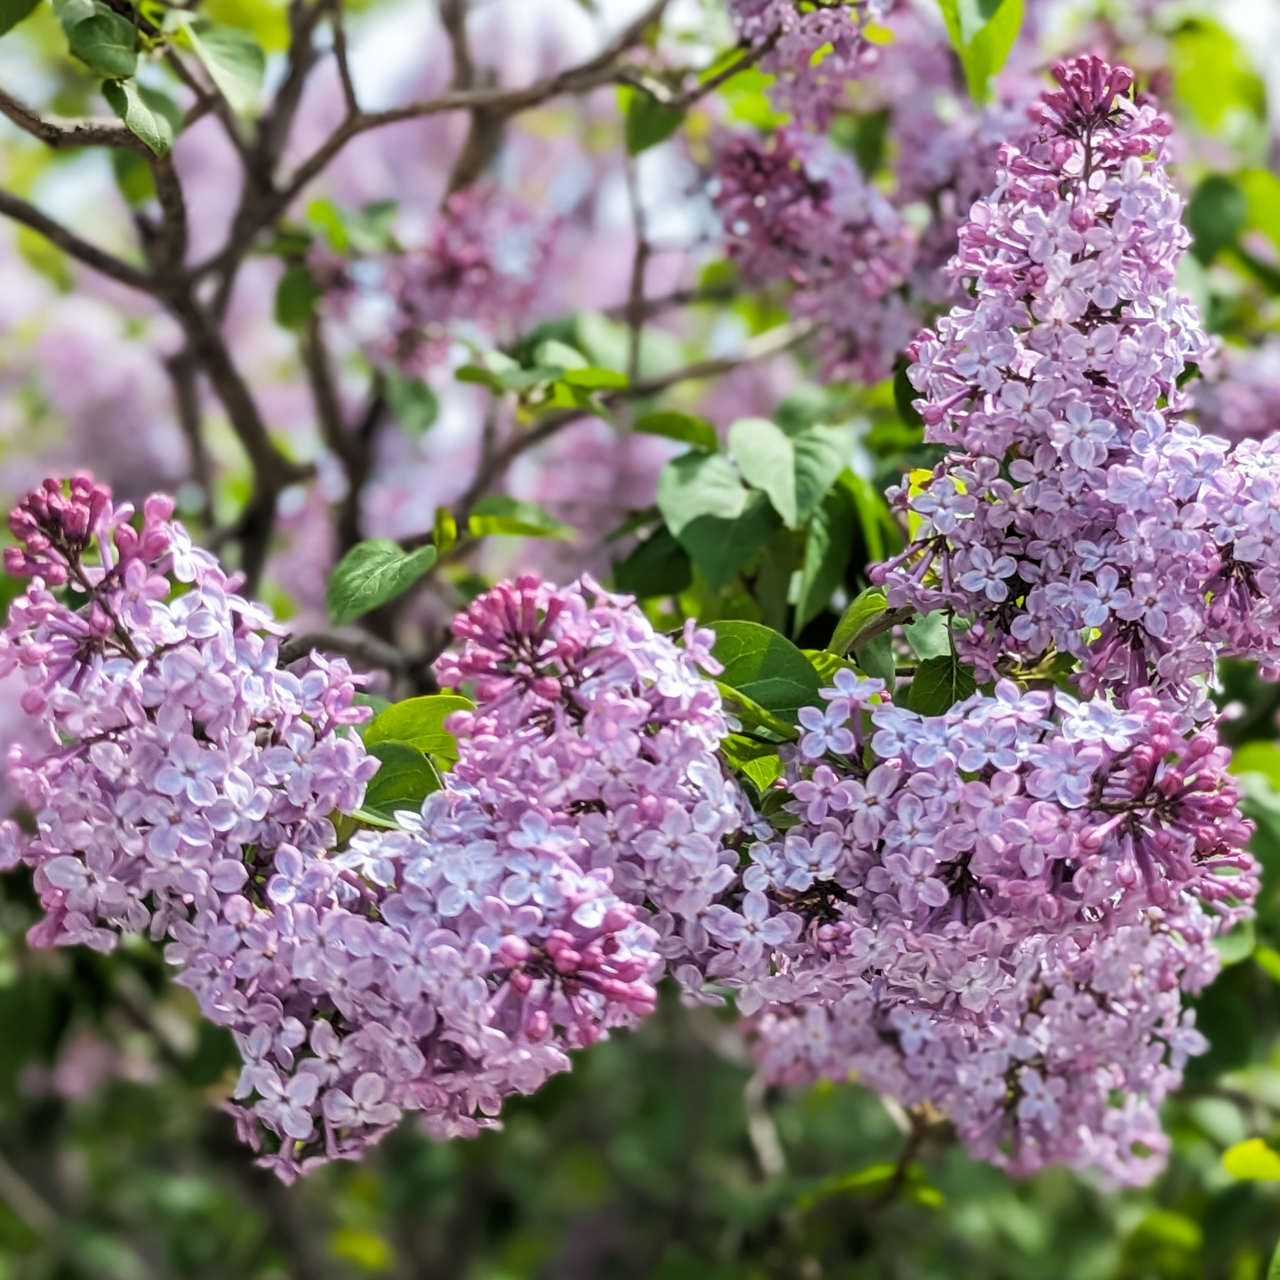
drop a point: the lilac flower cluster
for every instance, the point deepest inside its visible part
(188, 786)
(994, 911)
(813, 47)
(1077, 512)
(796, 209)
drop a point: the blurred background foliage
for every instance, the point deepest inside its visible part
(658, 1157)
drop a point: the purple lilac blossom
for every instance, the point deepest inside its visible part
(1077, 511)
(996, 912)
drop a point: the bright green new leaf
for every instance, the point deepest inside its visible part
(234, 60)
(499, 514)
(591, 378)
(938, 684)
(1273, 1271)
(680, 426)
(445, 530)
(106, 42)
(860, 614)
(1261, 188)
(982, 33)
(404, 780)
(1252, 1161)
(420, 723)
(372, 573)
(561, 354)
(12, 12)
(1257, 757)
(146, 113)
(765, 667)
(414, 404)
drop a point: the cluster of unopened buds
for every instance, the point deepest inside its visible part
(996, 910)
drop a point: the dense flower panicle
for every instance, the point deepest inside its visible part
(796, 209)
(189, 786)
(1077, 511)
(994, 911)
(813, 47)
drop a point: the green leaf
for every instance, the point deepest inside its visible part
(700, 485)
(445, 530)
(765, 667)
(591, 378)
(860, 614)
(649, 122)
(70, 12)
(106, 42)
(659, 566)
(296, 296)
(1273, 1271)
(768, 461)
(828, 544)
(413, 402)
(1261, 188)
(875, 657)
(940, 683)
(1215, 216)
(1252, 1161)
(234, 60)
(560, 354)
(982, 33)
(1237, 945)
(680, 426)
(796, 469)
(1257, 757)
(372, 573)
(1214, 78)
(721, 547)
(753, 716)
(367, 231)
(510, 517)
(420, 723)
(928, 635)
(146, 113)
(405, 779)
(12, 12)
(905, 396)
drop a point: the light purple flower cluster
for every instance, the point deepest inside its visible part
(188, 786)
(795, 208)
(814, 48)
(994, 911)
(1077, 512)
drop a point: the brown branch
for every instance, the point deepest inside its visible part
(636, 307)
(64, 238)
(182, 370)
(582, 78)
(62, 134)
(339, 28)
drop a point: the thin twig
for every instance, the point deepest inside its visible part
(639, 267)
(339, 29)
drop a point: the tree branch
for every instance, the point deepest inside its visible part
(65, 134)
(582, 78)
(356, 645)
(64, 238)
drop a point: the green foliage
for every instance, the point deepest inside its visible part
(862, 613)
(297, 296)
(146, 113)
(105, 41)
(938, 684)
(419, 722)
(372, 573)
(1215, 216)
(982, 33)
(234, 60)
(413, 402)
(648, 121)
(680, 426)
(13, 12)
(498, 514)
(404, 779)
(795, 470)
(766, 668)
(1253, 1161)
